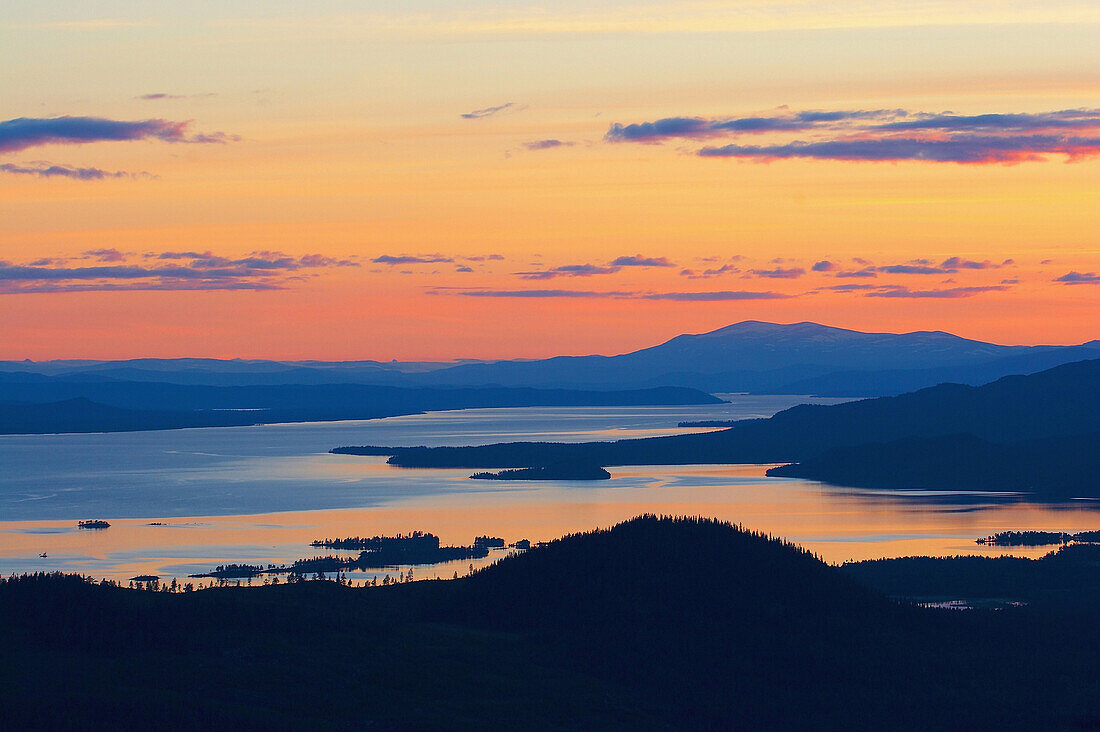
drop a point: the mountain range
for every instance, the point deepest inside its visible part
(751, 356)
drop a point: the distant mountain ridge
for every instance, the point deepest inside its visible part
(750, 356)
(49, 405)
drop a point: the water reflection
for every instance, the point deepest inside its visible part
(184, 501)
(838, 524)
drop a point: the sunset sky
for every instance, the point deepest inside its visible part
(431, 179)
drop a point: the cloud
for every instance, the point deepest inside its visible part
(712, 272)
(865, 272)
(464, 268)
(637, 260)
(886, 135)
(261, 270)
(546, 144)
(106, 255)
(915, 269)
(158, 96)
(48, 170)
(616, 295)
(409, 259)
(823, 266)
(485, 258)
(662, 129)
(700, 128)
(488, 111)
(851, 287)
(1066, 119)
(1079, 278)
(569, 270)
(532, 293)
(714, 296)
(963, 148)
(949, 292)
(953, 263)
(587, 270)
(24, 132)
(779, 273)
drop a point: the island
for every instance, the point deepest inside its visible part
(375, 552)
(557, 471)
(96, 524)
(717, 422)
(1039, 538)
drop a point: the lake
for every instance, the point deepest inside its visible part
(183, 501)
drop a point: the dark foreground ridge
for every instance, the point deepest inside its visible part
(657, 623)
(1035, 433)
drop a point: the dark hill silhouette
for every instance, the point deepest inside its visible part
(1059, 401)
(654, 624)
(1063, 466)
(1066, 577)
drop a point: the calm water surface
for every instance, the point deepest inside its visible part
(183, 501)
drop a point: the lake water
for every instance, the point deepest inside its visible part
(183, 501)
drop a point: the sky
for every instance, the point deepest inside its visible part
(436, 179)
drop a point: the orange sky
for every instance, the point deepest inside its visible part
(477, 136)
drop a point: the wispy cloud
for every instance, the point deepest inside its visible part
(695, 274)
(714, 296)
(701, 128)
(948, 292)
(490, 111)
(1079, 278)
(261, 270)
(412, 259)
(569, 270)
(48, 170)
(638, 260)
(778, 273)
(160, 96)
(615, 295)
(546, 144)
(106, 255)
(24, 132)
(587, 270)
(885, 135)
(959, 148)
(528, 293)
(914, 269)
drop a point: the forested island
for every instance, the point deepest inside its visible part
(376, 552)
(687, 624)
(557, 471)
(713, 423)
(1039, 538)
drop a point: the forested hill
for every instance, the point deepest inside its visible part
(657, 623)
